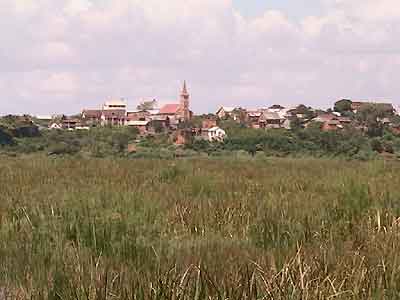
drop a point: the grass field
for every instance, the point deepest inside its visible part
(199, 229)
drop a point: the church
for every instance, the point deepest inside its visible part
(178, 112)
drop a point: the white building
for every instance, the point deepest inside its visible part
(115, 104)
(214, 134)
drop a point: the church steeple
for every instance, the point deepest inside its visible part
(184, 90)
(184, 103)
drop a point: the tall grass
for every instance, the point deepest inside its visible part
(199, 229)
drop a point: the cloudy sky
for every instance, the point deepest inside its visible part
(65, 55)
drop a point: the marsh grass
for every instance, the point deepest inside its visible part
(199, 229)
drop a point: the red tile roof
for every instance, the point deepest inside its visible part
(169, 109)
(92, 113)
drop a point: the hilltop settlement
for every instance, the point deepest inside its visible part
(350, 128)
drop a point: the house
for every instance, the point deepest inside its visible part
(69, 123)
(139, 115)
(270, 120)
(115, 104)
(91, 116)
(325, 117)
(225, 112)
(214, 134)
(331, 122)
(142, 126)
(160, 123)
(55, 125)
(113, 113)
(331, 125)
(113, 117)
(253, 117)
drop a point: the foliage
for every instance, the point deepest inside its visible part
(343, 106)
(306, 111)
(147, 105)
(5, 137)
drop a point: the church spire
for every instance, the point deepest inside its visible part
(184, 103)
(184, 90)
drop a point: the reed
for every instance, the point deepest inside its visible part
(199, 229)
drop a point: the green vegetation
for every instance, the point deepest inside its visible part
(113, 142)
(198, 229)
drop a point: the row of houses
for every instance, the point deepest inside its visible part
(175, 118)
(172, 118)
(277, 116)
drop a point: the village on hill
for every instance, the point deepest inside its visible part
(177, 123)
(149, 118)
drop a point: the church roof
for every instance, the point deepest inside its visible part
(169, 109)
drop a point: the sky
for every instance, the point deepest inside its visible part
(66, 55)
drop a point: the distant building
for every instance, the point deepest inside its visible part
(92, 116)
(142, 126)
(115, 105)
(55, 125)
(69, 123)
(271, 120)
(226, 112)
(178, 112)
(113, 113)
(213, 134)
(138, 115)
(113, 117)
(331, 121)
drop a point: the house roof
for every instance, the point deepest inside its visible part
(215, 128)
(137, 123)
(254, 113)
(169, 109)
(92, 113)
(267, 115)
(227, 109)
(325, 117)
(115, 102)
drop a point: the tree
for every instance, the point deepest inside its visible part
(343, 105)
(369, 116)
(307, 112)
(147, 105)
(5, 137)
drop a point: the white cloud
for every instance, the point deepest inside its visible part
(76, 53)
